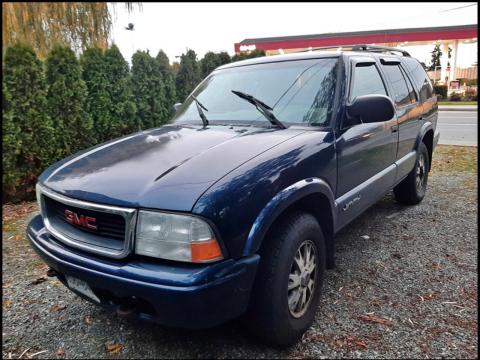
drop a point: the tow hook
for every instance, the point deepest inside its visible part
(51, 272)
(125, 310)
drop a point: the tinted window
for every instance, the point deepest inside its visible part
(298, 91)
(413, 95)
(420, 77)
(366, 80)
(399, 85)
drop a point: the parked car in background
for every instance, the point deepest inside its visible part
(232, 208)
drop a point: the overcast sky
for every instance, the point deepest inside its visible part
(217, 26)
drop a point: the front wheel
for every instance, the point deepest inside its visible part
(413, 188)
(289, 280)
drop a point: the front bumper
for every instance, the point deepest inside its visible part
(179, 295)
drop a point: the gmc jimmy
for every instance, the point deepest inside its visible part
(232, 208)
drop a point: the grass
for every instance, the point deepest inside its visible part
(454, 159)
(457, 103)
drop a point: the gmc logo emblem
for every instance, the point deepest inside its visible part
(81, 220)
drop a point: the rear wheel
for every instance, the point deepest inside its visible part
(289, 280)
(413, 188)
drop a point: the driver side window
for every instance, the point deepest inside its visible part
(366, 80)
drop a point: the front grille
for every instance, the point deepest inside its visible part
(115, 226)
(108, 225)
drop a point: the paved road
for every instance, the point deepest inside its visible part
(458, 127)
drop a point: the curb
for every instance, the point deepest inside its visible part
(453, 108)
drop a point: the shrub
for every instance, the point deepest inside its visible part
(189, 75)
(123, 109)
(169, 81)
(441, 90)
(67, 95)
(455, 97)
(98, 101)
(149, 91)
(28, 131)
(470, 94)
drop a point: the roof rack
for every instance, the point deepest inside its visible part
(362, 47)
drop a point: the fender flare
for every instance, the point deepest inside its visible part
(279, 203)
(423, 130)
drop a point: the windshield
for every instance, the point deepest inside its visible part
(299, 92)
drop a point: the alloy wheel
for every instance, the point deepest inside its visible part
(302, 279)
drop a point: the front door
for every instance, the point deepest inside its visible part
(366, 152)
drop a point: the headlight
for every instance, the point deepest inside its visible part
(175, 237)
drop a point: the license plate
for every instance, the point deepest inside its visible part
(82, 287)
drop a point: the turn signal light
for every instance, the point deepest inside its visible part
(207, 250)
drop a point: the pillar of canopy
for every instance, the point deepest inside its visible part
(447, 75)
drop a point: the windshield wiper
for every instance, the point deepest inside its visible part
(200, 111)
(266, 110)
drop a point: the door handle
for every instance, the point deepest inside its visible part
(394, 129)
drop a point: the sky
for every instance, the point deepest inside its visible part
(174, 27)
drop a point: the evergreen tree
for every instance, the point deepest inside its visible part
(224, 58)
(67, 95)
(169, 81)
(208, 63)
(436, 55)
(122, 101)
(28, 131)
(11, 146)
(189, 75)
(98, 102)
(213, 60)
(248, 55)
(149, 91)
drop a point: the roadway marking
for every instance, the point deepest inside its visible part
(459, 124)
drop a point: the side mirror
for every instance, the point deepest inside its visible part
(371, 108)
(177, 106)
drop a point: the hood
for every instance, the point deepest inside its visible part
(165, 168)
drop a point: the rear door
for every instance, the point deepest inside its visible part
(366, 152)
(409, 112)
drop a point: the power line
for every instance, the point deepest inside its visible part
(460, 7)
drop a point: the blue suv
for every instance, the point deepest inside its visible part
(232, 208)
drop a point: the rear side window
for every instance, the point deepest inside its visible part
(411, 91)
(366, 81)
(420, 77)
(401, 92)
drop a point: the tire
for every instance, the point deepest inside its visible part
(412, 189)
(270, 317)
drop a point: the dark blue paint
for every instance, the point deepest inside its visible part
(240, 178)
(182, 295)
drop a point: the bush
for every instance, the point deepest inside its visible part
(67, 100)
(248, 55)
(123, 109)
(189, 75)
(98, 100)
(149, 91)
(169, 81)
(28, 131)
(441, 90)
(455, 97)
(470, 94)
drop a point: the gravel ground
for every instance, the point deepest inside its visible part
(405, 286)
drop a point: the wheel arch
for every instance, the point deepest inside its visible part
(425, 135)
(428, 141)
(311, 195)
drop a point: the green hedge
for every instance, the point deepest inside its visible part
(55, 108)
(441, 90)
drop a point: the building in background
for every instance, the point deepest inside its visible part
(453, 37)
